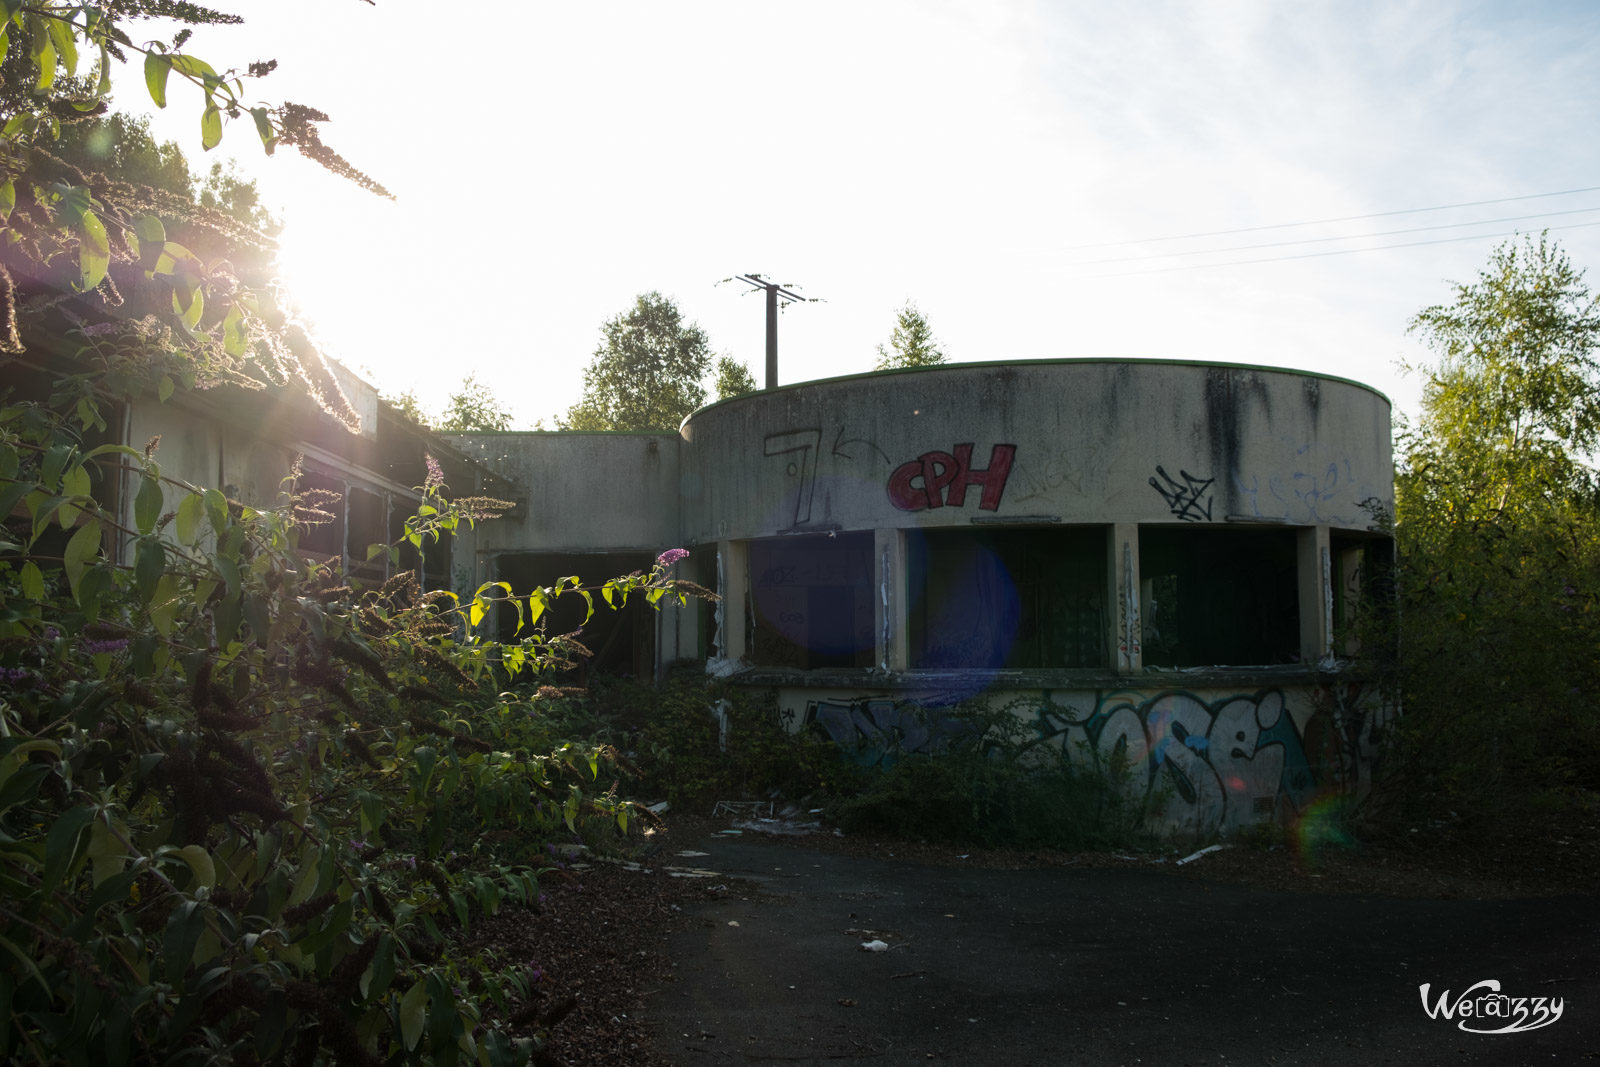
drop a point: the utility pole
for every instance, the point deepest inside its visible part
(777, 295)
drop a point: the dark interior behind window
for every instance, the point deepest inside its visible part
(1008, 598)
(812, 601)
(1213, 597)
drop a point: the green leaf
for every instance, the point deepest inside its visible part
(147, 505)
(413, 1014)
(190, 310)
(43, 51)
(183, 933)
(190, 511)
(164, 388)
(200, 862)
(55, 461)
(150, 565)
(61, 37)
(226, 615)
(21, 786)
(32, 581)
(61, 844)
(216, 509)
(74, 483)
(235, 340)
(83, 547)
(164, 604)
(8, 199)
(151, 234)
(107, 855)
(198, 69)
(94, 251)
(381, 971)
(269, 137)
(156, 68)
(97, 582)
(210, 127)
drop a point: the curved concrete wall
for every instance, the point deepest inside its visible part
(1068, 441)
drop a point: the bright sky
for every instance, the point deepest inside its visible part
(1017, 169)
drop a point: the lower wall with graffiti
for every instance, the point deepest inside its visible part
(1198, 762)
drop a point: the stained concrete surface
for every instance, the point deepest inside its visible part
(1099, 966)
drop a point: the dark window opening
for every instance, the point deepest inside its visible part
(811, 601)
(1211, 597)
(368, 521)
(1363, 590)
(622, 640)
(1007, 598)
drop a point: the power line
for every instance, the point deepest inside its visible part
(1318, 255)
(1324, 222)
(1341, 237)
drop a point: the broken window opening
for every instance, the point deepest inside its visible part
(1218, 597)
(811, 601)
(1019, 598)
(1363, 589)
(622, 640)
(367, 518)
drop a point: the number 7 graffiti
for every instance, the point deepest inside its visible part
(805, 442)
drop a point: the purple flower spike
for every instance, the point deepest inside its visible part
(671, 556)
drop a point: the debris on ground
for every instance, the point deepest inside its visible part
(1191, 857)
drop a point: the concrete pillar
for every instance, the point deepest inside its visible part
(1314, 564)
(1123, 596)
(893, 651)
(733, 585)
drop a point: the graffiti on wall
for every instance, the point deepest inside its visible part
(941, 479)
(801, 446)
(1192, 764)
(801, 452)
(1188, 497)
(878, 730)
(1318, 490)
(1199, 766)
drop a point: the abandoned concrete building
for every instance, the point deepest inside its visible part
(1152, 562)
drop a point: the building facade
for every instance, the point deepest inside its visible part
(1154, 563)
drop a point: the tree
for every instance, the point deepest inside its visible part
(1512, 404)
(646, 373)
(122, 146)
(912, 342)
(1497, 535)
(733, 378)
(474, 407)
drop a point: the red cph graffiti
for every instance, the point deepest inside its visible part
(937, 479)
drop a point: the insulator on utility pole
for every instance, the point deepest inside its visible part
(777, 296)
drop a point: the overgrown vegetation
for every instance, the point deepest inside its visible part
(1497, 656)
(993, 784)
(247, 808)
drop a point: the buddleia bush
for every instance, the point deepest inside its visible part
(247, 808)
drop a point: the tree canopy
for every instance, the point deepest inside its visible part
(1513, 404)
(911, 344)
(474, 407)
(733, 378)
(647, 372)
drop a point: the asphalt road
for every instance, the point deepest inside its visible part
(1119, 966)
